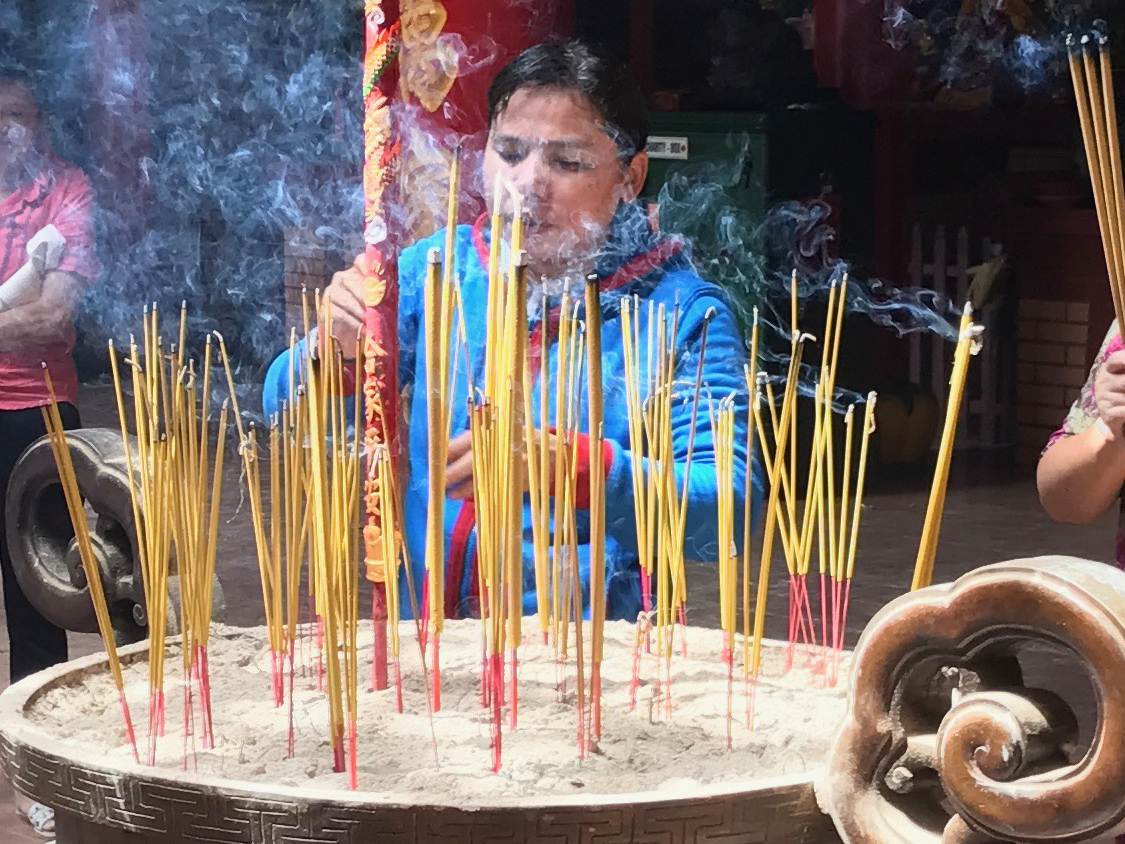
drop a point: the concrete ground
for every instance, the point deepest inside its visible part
(992, 514)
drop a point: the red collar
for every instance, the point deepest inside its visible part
(640, 266)
(34, 189)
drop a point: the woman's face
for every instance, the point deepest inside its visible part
(551, 146)
(20, 124)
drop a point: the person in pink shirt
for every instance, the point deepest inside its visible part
(47, 257)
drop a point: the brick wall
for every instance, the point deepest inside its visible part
(1053, 361)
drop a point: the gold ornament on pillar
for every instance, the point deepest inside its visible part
(429, 64)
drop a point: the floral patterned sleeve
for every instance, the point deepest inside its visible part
(1084, 412)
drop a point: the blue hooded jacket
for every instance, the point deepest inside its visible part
(634, 262)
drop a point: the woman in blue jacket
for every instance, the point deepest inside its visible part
(567, 130)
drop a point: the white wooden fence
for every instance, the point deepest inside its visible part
(945, 271)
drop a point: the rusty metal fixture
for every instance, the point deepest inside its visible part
(945, 741)
(41, 538)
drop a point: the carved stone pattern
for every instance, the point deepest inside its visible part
(191, 812)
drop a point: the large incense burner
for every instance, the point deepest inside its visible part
(942, 741)
(49, 750)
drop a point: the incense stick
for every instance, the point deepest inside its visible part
(60, 448)
(927, 547)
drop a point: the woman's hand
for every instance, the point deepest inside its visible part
(1109, 391)
(345, 293)
(459, 465)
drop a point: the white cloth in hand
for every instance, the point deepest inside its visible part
(45, 250)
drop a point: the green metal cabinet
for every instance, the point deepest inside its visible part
(795, 154)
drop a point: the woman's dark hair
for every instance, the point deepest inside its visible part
(574, 65)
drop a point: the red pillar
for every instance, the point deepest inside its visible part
(642, 58)
(493, 33)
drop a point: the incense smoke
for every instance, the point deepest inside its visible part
(212, 127)
(753, 260)
(210, 130)
(1015, 49)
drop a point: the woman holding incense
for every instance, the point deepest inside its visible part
(567, 133)
(1082, 471)
(46, 258)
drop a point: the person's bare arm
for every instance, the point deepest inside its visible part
(1080, 476)
(45, 319)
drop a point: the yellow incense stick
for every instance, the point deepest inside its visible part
(775, 489)
(927, 548)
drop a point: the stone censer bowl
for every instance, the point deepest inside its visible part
(101, 802)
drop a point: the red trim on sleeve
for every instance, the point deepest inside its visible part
(582, 475)
(478, 238)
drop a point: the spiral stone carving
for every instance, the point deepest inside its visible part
(944, 741)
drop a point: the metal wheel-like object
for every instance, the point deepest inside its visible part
(42, 544)
(945, 740)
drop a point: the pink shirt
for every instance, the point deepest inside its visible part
(60, 194)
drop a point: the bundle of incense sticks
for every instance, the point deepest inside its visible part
(775, 463)
(332, 474)
(1091, 70)
(313, 453)
(439, 295)
(60, 447)
(828, 524)
(660, 505)
(497, 418)
(564, 600)
(315, 513)
(293, 520)
(175, 485)
(723, 427)
(267, 535)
